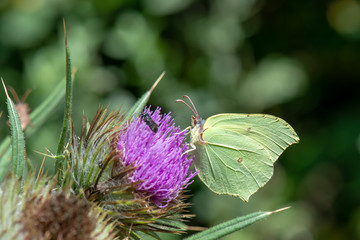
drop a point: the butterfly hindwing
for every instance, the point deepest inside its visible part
(227, 166)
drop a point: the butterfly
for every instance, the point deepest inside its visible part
(235, 152)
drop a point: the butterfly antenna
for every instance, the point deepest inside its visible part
(182, 101)
(193, 109)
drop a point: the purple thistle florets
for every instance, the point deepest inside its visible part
(161, 165)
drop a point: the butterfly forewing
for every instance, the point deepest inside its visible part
(273, 133)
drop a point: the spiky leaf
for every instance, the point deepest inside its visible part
(67, 113)
(37, 117)
(17, 138)
(231, 226)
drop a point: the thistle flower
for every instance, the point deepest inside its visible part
(135, 171)
(162, 165)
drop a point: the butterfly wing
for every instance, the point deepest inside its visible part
(237, 151)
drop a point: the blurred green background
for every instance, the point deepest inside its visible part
(298, 60)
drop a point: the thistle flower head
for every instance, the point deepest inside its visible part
(134, 170)
(39, 211)
(162, 165)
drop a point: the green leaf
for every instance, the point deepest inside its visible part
(37, 117)
(17, 138)
(67, 113)
(235, 153)
(231, 226)
(140, 104)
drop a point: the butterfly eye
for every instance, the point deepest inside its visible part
(193, 120)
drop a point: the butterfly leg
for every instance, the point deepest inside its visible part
(192, 148)
(201, 137)
(186, 130)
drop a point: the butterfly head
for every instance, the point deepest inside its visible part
(196, 120)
